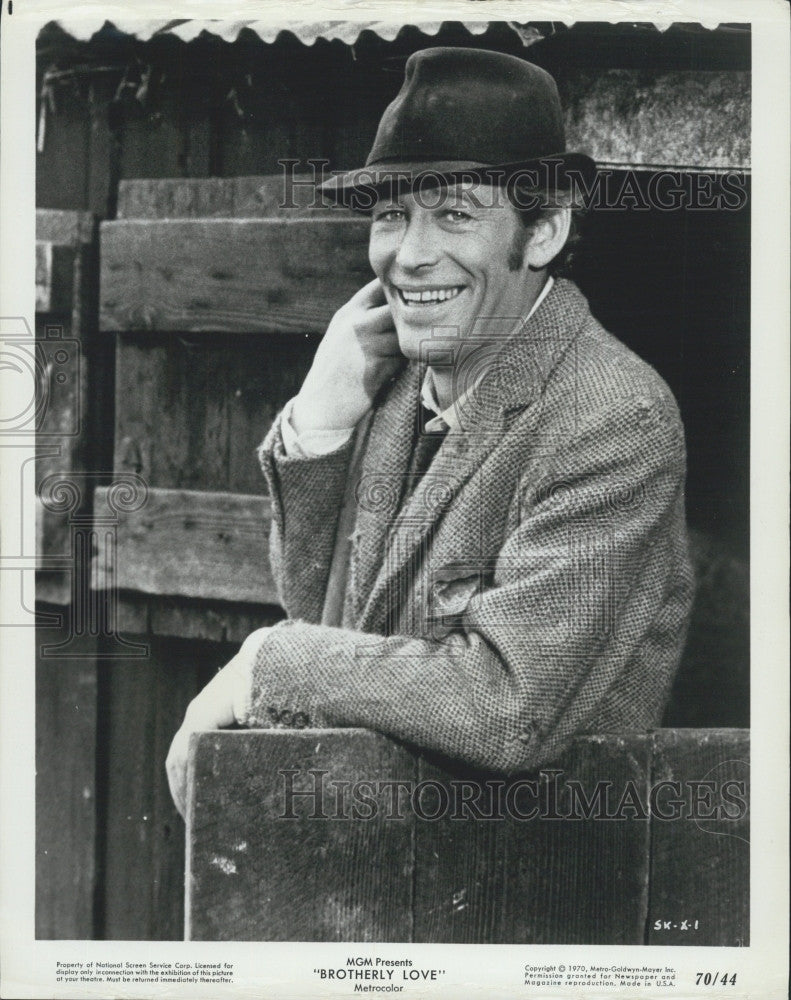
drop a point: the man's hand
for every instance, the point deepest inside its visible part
(221, 703)
(358, 354)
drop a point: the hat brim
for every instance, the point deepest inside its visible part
(559, 172)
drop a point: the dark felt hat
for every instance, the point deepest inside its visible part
(468, 114)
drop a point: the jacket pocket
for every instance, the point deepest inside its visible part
(453, 589)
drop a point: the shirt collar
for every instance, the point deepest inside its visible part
(449, 419)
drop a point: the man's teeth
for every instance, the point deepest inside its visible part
(430, 295)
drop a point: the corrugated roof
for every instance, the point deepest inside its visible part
(696, 119)
(82, 29)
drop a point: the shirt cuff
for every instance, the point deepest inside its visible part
(310, 443)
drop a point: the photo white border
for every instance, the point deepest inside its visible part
(285, 970)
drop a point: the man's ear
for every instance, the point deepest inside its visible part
(548, 238)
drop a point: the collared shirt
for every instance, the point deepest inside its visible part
(450, 417)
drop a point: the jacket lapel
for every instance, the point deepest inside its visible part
(514, 381)
(380, 486)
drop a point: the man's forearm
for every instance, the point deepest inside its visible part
(306, 495)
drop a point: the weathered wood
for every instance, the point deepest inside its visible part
(235, 276)
(43, 276)
(65, 306)
(599, 872)
(186, 618)
(54, 278)
(64, 227)
(60, 236)
(284, 195)
(66, 680)
(539, 880)
(152, 139)
(144, 702)
(102, 150)
(700, 862)
(284, 108)
(51, 587)
(256, 874)
(191, 544)
(52, 538)
(62, 443)
(62, 163)
(462, 869)
(133, 614)
(66, 808)
(171, 415)
(191, 411)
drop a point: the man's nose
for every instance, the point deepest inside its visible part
(419, 246)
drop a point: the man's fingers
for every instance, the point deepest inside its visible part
(176, 767)
(379, 319)
(369, 295)
(221, 703)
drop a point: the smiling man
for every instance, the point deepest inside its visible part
(478, 493)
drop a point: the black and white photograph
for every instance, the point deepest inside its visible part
(388, 437)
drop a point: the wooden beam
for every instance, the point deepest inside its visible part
(232, 276)
(187, 543)
(563, 875)
(59, 236)
(264, 197)
(186, 618)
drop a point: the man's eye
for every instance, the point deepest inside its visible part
(457, 215)
(389, 215)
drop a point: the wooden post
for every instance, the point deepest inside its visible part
(66, 676)
(274, 851)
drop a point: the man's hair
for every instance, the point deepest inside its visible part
(532, 207)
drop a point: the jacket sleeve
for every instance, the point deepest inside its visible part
(301, 548)
(578, 626)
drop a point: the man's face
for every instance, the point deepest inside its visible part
(446, 266)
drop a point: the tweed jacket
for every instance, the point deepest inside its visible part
(535, 583)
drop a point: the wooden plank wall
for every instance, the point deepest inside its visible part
(309, 880)
(197, 386)
(277, 852)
